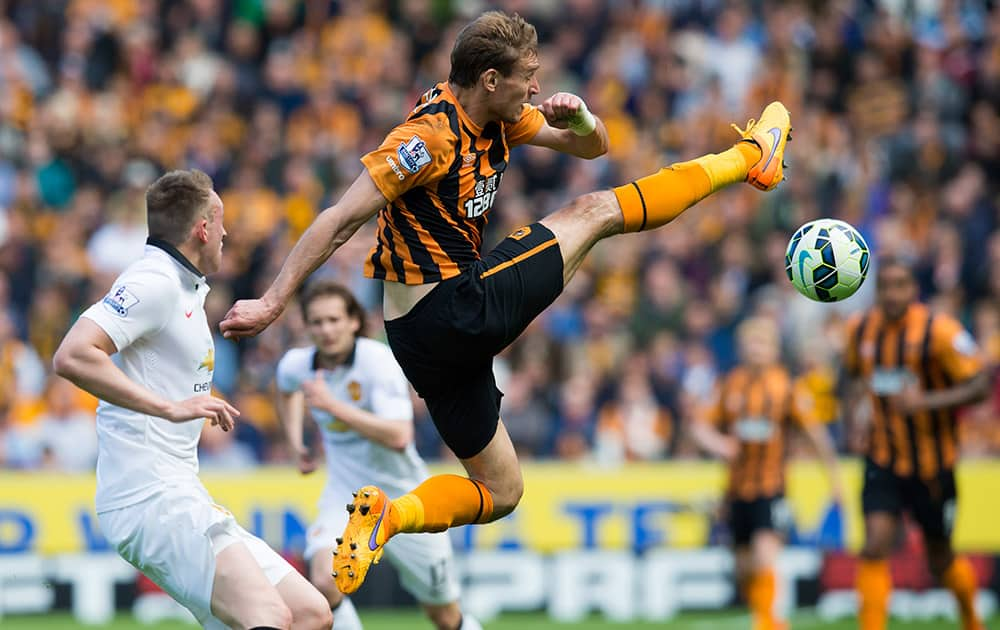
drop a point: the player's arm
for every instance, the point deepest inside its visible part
(391, 431)
(84, 358)
(958, 355)
(328, 231)
(711, 440)
(291, 409)
(569, 127)
(706, 434)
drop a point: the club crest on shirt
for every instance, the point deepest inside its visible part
(208, 363)
(120, 300)
(354, 390)
(413, 155)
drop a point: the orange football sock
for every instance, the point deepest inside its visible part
(760, 597)
(657, 199)
(440, 502)
(960, 579)
(874, 585)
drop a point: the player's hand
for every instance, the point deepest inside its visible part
(305, 461)
(728, 448)
(217, 411)
(908, 401)
(318, 395)
(561, 109)
(248, 318)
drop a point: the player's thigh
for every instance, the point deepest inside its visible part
(241, 592)
(882, 505)
(171, 538)
(426, 567)
(499, 470)
(580, 224)
(933, 505)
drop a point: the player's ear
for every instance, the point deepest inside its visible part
(201, 229)
(490, 79)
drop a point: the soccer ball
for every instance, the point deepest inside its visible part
(827, 260)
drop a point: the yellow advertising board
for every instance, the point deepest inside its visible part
(565, 506)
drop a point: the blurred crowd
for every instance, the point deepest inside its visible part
(896, 113)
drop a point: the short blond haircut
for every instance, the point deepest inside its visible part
(493, 40)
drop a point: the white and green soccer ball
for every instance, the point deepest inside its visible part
(827, 260)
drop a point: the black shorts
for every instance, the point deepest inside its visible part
(931, 502)
(749, 517)
(447, 342)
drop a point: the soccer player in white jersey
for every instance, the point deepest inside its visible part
(359, 398)
(155, 397)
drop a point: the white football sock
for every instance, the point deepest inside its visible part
(345, 616)
(469, 622)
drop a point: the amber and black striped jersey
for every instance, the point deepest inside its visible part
(757, 408)
(440, 173)
(924, 348)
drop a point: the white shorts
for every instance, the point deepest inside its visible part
(425, 562)
(173, 538)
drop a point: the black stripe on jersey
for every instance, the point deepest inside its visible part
(498, 150)
(376, 259)
(882, 401)
(908, 420)
(397, 261)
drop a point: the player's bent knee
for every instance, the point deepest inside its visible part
(314, 615)
(506, 494)
(271, 612)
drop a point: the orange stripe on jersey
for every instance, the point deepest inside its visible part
(892, 360)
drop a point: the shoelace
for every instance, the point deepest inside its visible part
(744, 133)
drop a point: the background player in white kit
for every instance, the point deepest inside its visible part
(155, 398)
(359, 398)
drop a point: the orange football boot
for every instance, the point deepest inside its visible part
(771, 133)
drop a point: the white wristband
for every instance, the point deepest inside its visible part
(583, 122)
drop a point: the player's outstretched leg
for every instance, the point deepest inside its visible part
(375, 518)
(758, 159)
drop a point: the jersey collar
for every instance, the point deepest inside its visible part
(174, 253)
(348, 363)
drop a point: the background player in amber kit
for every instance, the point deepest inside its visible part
(448, 310)
(911, 370)
(747, 425)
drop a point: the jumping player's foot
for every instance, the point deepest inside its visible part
(771, 133)
(361, 545)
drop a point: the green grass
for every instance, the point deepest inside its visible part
(387, 620)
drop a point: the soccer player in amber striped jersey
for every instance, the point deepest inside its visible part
(449, 309)
(747, 424)
(911, 370)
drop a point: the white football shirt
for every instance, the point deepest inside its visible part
(370, 380)
(155, 315)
